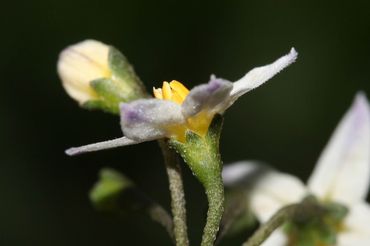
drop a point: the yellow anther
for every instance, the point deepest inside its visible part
(166, 91)
(157, 93)
(173, 91)
(177, 92)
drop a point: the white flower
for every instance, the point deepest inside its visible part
(81, 63)
(176, 109)
(342, 175)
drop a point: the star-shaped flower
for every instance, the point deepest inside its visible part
(176, 110)
(340, 179)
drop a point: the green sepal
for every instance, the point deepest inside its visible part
(317, 223)
(123, 85)
(110, 94)
(202, 153)
(336, 212)
(124, 73)
(109, 188)
(96, 105)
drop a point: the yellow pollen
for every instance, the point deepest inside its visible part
(177, 92)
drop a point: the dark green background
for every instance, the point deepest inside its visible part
(43, 193)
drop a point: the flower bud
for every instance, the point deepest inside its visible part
(98, 76)
(81, 63)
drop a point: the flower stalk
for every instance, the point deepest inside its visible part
(278, 219)
(177, 194)
(116, 193)
(202, 156)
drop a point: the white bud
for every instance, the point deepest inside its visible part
(81, 63)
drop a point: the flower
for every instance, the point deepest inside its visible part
(98, 76)
(340, 179)
(81, 63)
(176, 110)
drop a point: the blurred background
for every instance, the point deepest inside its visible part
(285, 123)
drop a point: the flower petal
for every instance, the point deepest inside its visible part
(123, 141)
(358, 220)
(277, 238)
(273, 191)
(353, 239)
(243, 173)
(81, 63)
(260, 75)
(269, 190)
(343, 170)
(149, 119)
(210, 96)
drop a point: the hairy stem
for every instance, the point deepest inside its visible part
(271, 225)
(177, 194)
(215, 195)
(234, 208)
(201, 154)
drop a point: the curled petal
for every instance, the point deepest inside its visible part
(123, 141)
(260, 75)
(149, 119)
(343, 170)
(210, 97)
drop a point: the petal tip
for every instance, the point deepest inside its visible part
(361, 97)
(293, 54)
(71, 152)
(361, 105)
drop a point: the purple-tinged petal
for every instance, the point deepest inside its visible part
(110, 144)
(342, 172)
(260, 75)
(149, 119)
(210, 97)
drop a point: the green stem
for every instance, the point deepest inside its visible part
(201, 154)
(177, 194)
(215, 195)
(235, 208)
(271, 225)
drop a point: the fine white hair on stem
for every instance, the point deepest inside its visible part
(110, 144)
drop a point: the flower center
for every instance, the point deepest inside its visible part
(176, 92)
(173, 91)
(319, 228)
